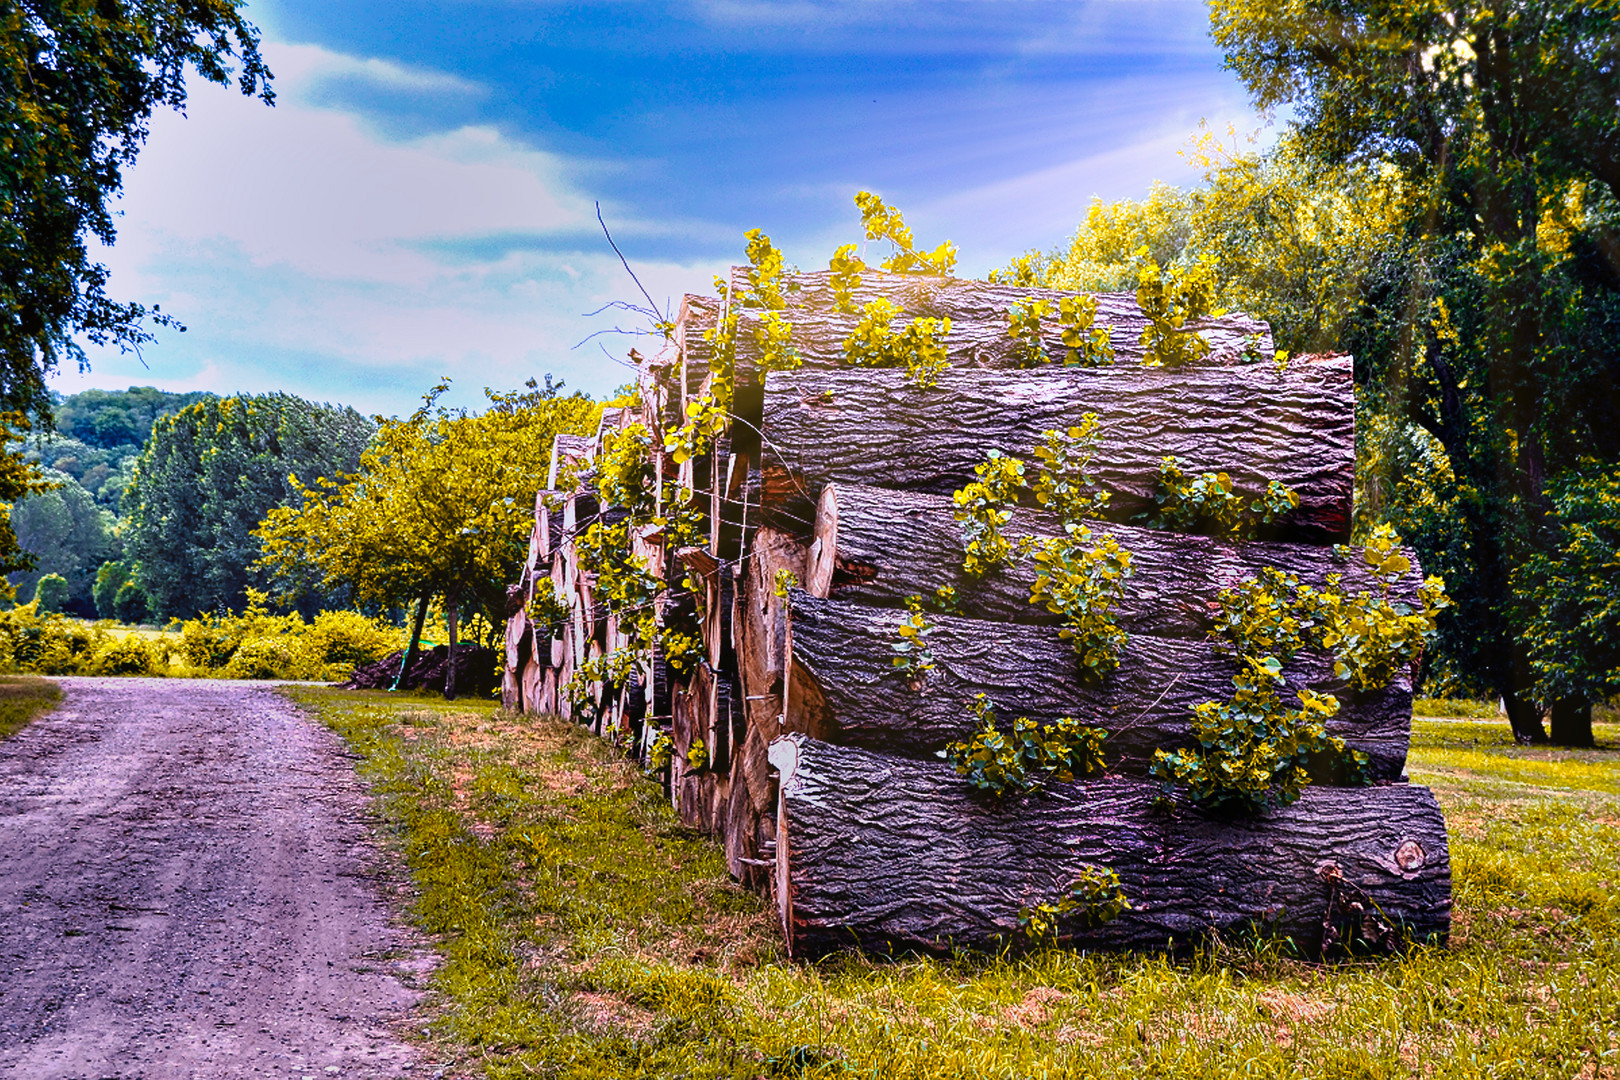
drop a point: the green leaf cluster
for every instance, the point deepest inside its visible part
(1064, 483)
(1082, 585)
(883, 222)
(984, 507)
(1172, 300)
(1251, 750)
(912, 657)
(1094, 898)
(1002, 764)
(1085, 343)
(919, 348)
(1209, 503)
(548, 612)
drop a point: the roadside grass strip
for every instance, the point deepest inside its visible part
(585, 933)
(22, 699)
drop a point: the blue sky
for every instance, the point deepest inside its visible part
(420, 201)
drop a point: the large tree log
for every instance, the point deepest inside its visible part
(875, 428)
(889, 853)
(978, 314)
(880, 546)
(845, 688)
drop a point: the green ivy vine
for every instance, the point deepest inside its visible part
(1210, 503)
(1252, 751)
(1094, 898)
(1001, 764)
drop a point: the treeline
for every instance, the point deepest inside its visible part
(185, 484)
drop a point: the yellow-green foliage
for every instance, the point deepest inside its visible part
(1092, 899)
(984, 507)
(1083, 584)
(253, 645)
(919, 348)
(48, 643)
(583, 932)
(1000, 764)
(258, 644)
(1173, 300)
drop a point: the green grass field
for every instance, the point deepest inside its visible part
(22, 698)
(585, 933)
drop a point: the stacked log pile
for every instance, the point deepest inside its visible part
(820, 768)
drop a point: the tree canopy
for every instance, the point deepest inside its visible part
(78, 84)
(1492, 313)
(440, 505)
(207, 477)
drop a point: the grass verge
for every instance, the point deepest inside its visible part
(22, 698)
(585, 933)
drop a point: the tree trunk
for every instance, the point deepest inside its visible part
(450, 617)
(845, 688)
(978, 313)
(873, 427)
(1524, 717)
(1571, 723)
(414, 647)
(879, 547)
(896, 854)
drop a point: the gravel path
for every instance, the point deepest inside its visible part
(188, 889)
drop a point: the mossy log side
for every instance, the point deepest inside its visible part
(880, 546)
(888, 853)
(978, 314)
(874, 428)
(845, 689)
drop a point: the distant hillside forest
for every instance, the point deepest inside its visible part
(157, 493)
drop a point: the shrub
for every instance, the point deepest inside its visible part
(51, 593)
(347, 639)
(269, 658)
(130, 655)
(46, 644)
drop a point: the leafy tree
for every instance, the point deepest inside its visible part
(110, 577)
(1287, 240)
(208, 476)
(112, 419)
(68, 535)
(132, 605)
(51, 593)
(18, 479)
(1570, 599)
(440, 507)
(1493, 321)
(78, 84)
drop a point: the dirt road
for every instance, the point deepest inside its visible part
(188, 889)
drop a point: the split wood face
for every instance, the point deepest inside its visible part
(822, 779)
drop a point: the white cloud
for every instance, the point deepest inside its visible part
(307, 252)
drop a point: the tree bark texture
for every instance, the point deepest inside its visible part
(895, 854)
(978, 314)
(879, 546)
(875, 428)
(846, 690)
